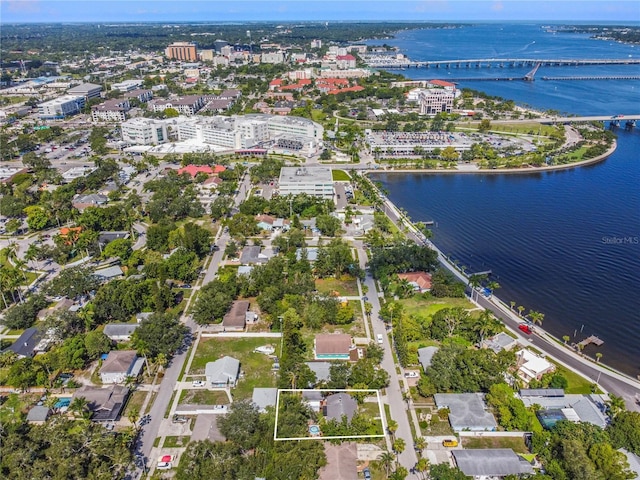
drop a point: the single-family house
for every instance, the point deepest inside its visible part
(338, 405)
(342, 462)
(119, 365)
(419, 281)
(91, 200)
(109, 273)
(105, 404)
(491, 463)
(194, 170)
(245, 270)
(333, 346)
(38, 414)
(120, 332)
(223, 372)
(310, 252)
(500, 342)
(236, 318)
(252, 255)
(106, 237)
(425, 355)
(61, 306)
(467, 411)
(265, 222)
(264, 397)
(554, 406)
(27, 343)
(531, 366)
(313, 398)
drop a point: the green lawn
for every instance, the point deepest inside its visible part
(425, 307)
(318, 115)
(203, 397)
(340, 176)
(577, 384)
(135, 401)
(256, 366)
(345, 286)
(175, 441)
(515, 443)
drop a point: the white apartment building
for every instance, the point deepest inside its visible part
(144, 131)
(87, 90)
(111, 111)
(229, 132)
(272, 57)
(128, 85)
(188, 105)
(435, 100)
(61, 107)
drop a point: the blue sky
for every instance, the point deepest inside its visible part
(287, 10)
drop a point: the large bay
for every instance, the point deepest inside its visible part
(565, 243)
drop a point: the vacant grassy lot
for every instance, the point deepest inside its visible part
(175, 441)
(256, 366)
(344, 286)
(340, 176)
(515, 443)
(577, 384)
(135, 401)
(427, 306)
(203, 397)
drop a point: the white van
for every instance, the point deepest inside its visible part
(379, 336)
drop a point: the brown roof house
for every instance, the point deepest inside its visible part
(119, 365)
(332, 346)
(236, 318)
(342, 462)
(420, 281)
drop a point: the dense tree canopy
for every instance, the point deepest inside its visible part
(160, 333)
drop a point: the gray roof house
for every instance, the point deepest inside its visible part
(466, 411)
(104, 403)
(264, 397)
(109, 273)
(312, 253)
(572, 407)
(25, 345)
(251, 255)
(106, 237)
(339, 404)
(491, 462)
(119, 365)
(500, 342)
(38, 414)
(120, 332)
(223, 372)
(425, 355)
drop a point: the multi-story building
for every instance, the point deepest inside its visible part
(349, 73)
(226, 132)
(111, 110)
(187, 105)
(61, 107)
(435, 100)
(316, 43)
(207, 55)
(128, 85)
(144, 131)
(316, 181)
(87, 90)
(182, 51)
(142, 95)
(345, 62)
(272, 57)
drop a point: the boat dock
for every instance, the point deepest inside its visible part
(592, 339)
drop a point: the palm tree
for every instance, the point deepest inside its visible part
(133, 415)
(475, 281)
(536, 317)
(493, 286)
(513, 304)
(399, 474)
(292, 379)
(399, 445)
(598, 356)
(161, 361)
(520, 310)
(566, 338)
(422, 466)
(616, 405)
(420, 444)
(79, 406)
(392, 426)
(386, 459)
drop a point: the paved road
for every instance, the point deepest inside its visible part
(397, 405)
(612, 382)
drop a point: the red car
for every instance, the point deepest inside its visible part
(525, 328)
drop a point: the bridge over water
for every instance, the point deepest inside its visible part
(389, 62)
(616, 119)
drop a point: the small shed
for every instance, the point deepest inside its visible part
(38, 414)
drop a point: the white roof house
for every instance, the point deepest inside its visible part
(531, 366)
(223, 372)
(467, 411)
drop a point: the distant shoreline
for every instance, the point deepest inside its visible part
(549, 168)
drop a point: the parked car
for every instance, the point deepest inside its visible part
(198, 383)
(164, 465)
(525, 328)
(367, 474)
